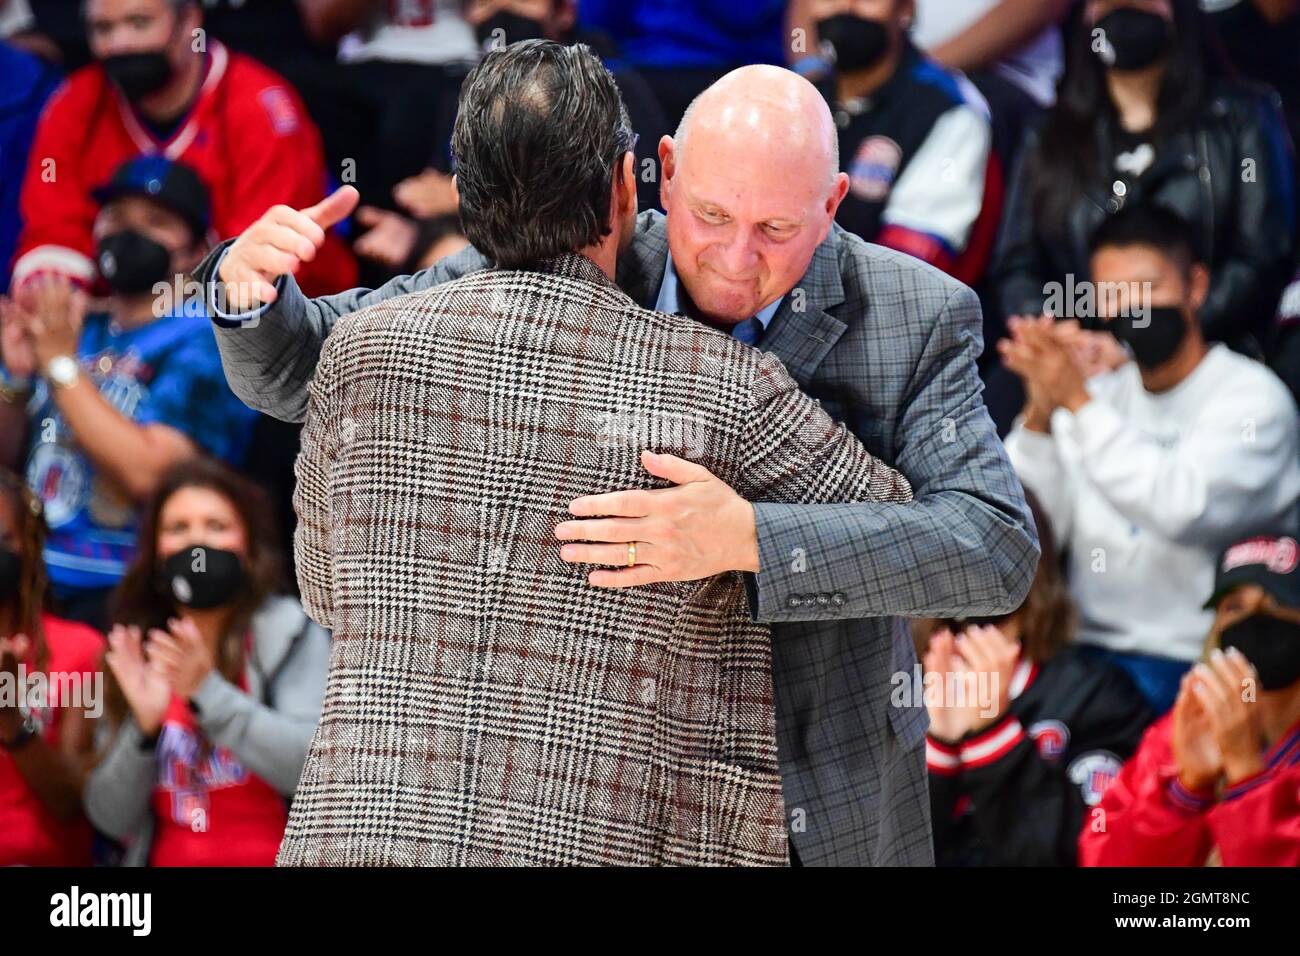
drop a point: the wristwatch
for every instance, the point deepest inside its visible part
(26, 731)
(63, 371)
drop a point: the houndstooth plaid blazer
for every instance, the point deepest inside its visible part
(888, 345)
(484, 704)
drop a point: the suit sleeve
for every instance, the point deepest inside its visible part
(1146, 818)
(57, 208)
(313, 545)
(270, 355)
(794, 451)
(964, 546)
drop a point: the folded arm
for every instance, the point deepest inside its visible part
(964, 546)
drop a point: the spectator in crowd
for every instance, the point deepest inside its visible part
(683, 48)
(217, 683)
(1018, 41)
(161, 86)
(45, 741)
(914, 138)
(390, 107)
(26, 82)
(49, 30)
(428, 229)
(1147, 471)
(1012, 771)
(1140, 119)
(1010, 49)
(1218, 779)
(273, 31)
(123, 393)
(1262, 41)
(1286, 351)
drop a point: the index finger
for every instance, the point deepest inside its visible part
(301, 223)
(619, 504)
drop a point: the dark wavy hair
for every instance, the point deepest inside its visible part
(33, 586)
(1067, 156)
(142, 601)
(540, 132)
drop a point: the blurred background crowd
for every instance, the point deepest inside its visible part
(1041, 151)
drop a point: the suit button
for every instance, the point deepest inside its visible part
(823, 599)
(838, 599)
(793, 601)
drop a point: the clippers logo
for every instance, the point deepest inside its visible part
(1051, 737)
(1279, 555)
(1093, 774)
(280, 110)
(872, 172)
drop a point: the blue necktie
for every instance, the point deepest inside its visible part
(749, 331)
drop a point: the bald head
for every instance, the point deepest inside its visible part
(750, 183)
(771, 112)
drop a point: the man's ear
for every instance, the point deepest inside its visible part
(1198, 286)
(667, 168)
(839, 189)
(627, 185)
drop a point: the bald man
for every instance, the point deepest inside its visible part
(886, 343)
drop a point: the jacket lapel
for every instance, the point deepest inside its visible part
(802, 332)
(640, 269)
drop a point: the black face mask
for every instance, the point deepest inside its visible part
(513, 26)
(132, 263)
(1156, 342)
(858, 43)
(202, 578)
(138, 74)
(11, 573)
(1134, 38)
(1271, 644)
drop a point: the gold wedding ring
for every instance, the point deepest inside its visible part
(631, 554)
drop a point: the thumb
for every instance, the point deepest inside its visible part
(677, 470)
(334, 208)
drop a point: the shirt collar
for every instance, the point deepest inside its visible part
(669, 301)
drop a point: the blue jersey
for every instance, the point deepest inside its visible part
(167, 372)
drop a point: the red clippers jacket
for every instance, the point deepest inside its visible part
(247, 136)
(1147, 818)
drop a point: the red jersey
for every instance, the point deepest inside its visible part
(1147, 818)
(246, 135)
(29, 834)
(209, 809)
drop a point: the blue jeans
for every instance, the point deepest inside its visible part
(1156, 677)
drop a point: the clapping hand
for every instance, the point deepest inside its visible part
(143, 685)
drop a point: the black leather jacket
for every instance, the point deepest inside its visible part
(1230, 175)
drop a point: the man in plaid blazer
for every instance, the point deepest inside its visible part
(887, 344)
(484, 704)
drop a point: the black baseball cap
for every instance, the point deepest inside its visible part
(168, 183)
(1271, 561)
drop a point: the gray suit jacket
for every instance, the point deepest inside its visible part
(888, 344)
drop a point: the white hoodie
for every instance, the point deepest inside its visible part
(1143, 491)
